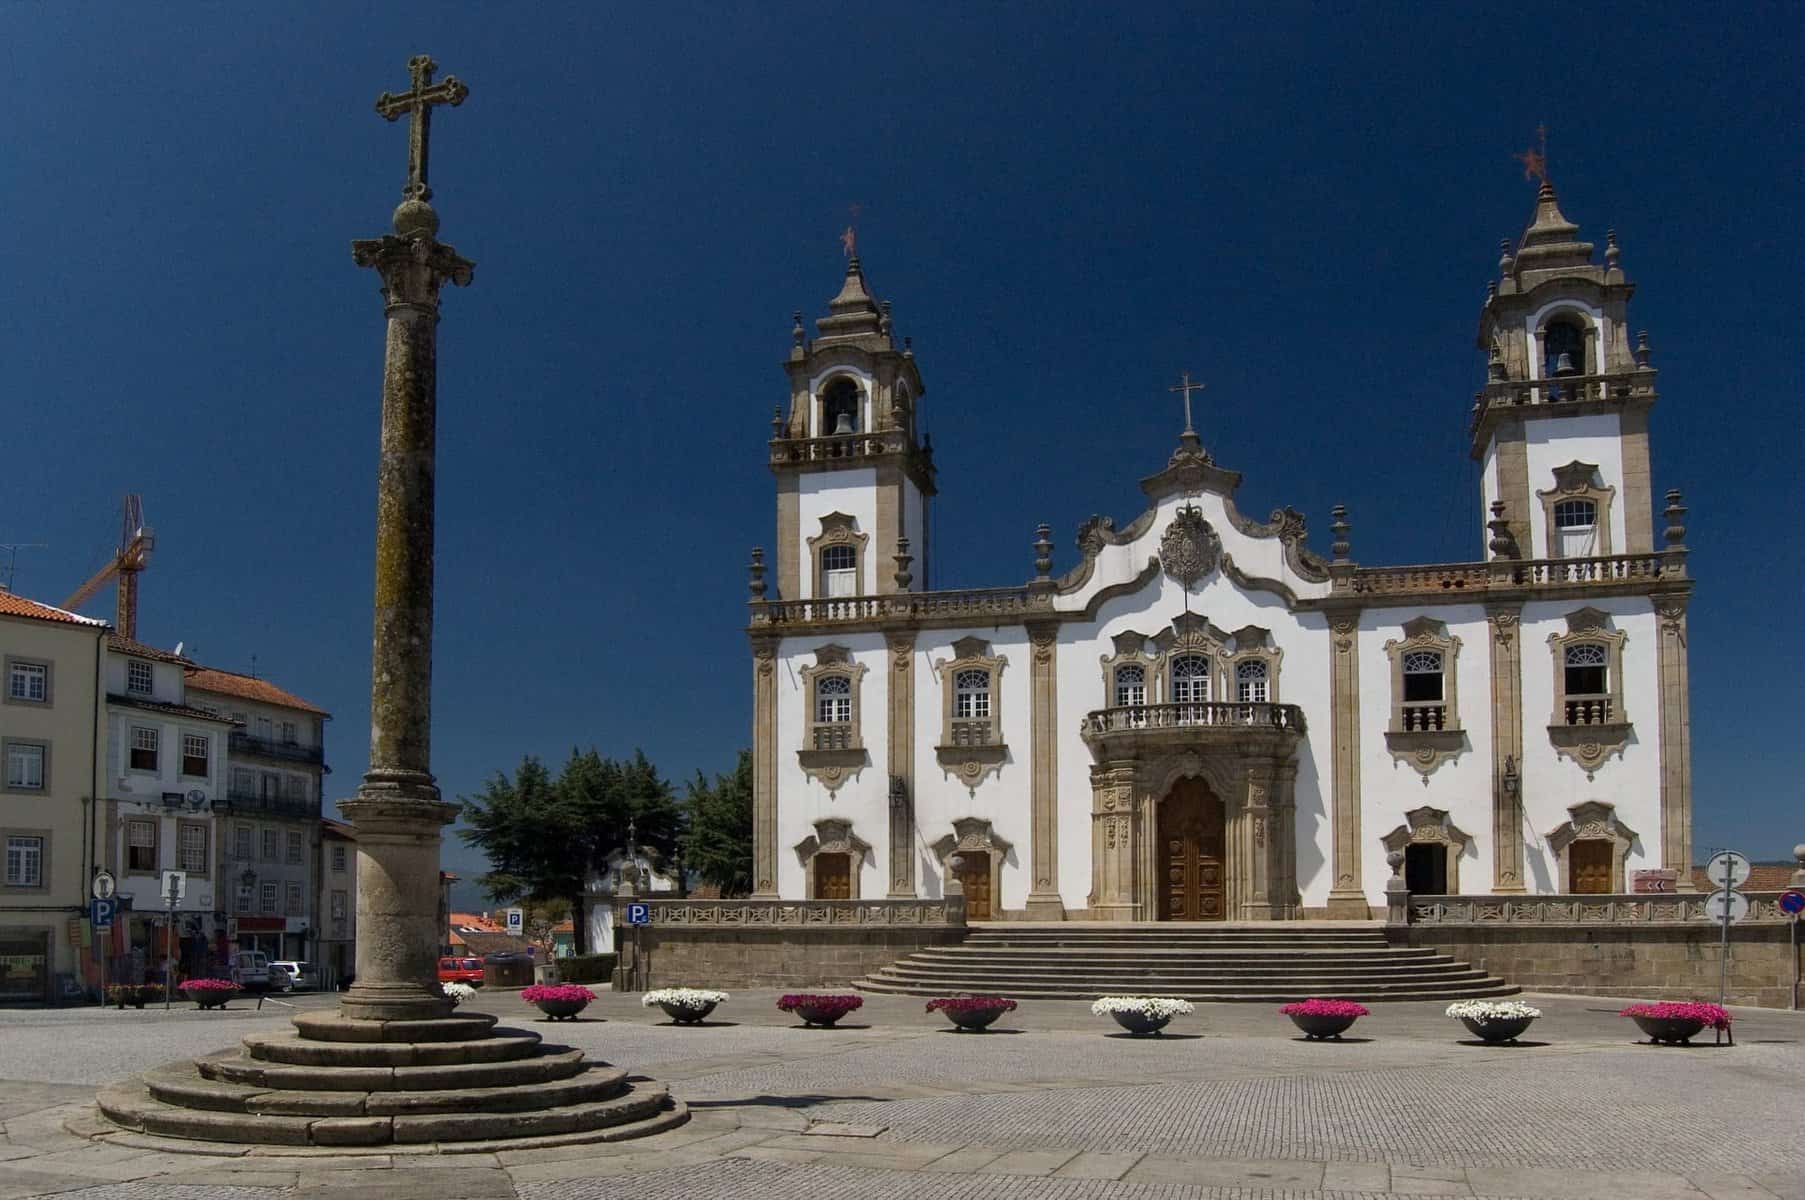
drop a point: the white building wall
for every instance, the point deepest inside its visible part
(863, 799)
(1557, 441)
(853, 492)
(1552, 784)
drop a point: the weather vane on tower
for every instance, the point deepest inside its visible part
(849, 239)
(1534, 159)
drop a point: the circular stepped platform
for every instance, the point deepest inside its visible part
(450, 1085)
(1249, 963)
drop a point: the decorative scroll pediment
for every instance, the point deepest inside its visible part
(1427, 824)
(1190, 631)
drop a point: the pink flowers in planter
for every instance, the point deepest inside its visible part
(1314, 1007)
(969, 1004)
(557, 993)
(819, 1008)
(1711, 1016)
(212, 986)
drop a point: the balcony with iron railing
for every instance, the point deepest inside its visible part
(251, 803)
(268, 747)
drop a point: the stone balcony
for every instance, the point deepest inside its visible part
(1111, 731)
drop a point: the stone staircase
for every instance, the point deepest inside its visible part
(1266, 962)
(452, 1085)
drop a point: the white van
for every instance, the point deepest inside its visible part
(250, 969)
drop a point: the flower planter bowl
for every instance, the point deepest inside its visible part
(561, 1010)
(1497, 1029)
(1673, 1031)
(1319, 1027)
(820, 1015)
(687, 1014)
(206, 997)
(1140, 1024)
(973, 1020)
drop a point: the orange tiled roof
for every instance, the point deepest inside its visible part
(332, 828)
(18, 606)
(1763, 877)
(126, 645)
(475, 921)
(247, 687)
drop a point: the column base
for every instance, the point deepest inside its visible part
(1115, 912)
(1046, 907)
(895, 895)
(392, 1002)
(1257, 910)
(1349, 906)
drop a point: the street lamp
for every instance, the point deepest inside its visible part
(1513, 782)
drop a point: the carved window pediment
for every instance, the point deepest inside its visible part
(1577, 482)
(833, 835)
(1592, 725)
(833, 744)
(1431, 826)
(1425, 726)
(971, 731)
(828, 551)
(1252, 667)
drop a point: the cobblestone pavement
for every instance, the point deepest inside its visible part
(1229, 1106)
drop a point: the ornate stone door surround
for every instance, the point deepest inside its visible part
(975, 834)
(1256, 781)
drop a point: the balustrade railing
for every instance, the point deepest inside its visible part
(833, 737)
(1444, 577)
(267, 747)
(838, 447)
(1599, 569)
(1564, 389)
(1588, 710)
(1423, 718)
(1633, 909)
(1611, 568)
(862, 913)
(1216, 714)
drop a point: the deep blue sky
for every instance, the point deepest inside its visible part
(1067, 205)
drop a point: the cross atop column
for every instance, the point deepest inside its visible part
(1187, 386)
(418, 100)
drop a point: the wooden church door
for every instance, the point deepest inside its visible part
(973, 874)
(833, 876)
(1190, 854)
(1589, 865)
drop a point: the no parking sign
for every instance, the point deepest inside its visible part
(1792, 902)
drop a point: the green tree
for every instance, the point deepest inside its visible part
(719, 845)
(539, 838)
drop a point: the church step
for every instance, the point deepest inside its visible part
(1116, 985)
(184, 1087)
(1264, 942)
(290, 1048)
(1078, 990)
(1151, 954)
(907, 968)
(643, 1108)
(551, 1064)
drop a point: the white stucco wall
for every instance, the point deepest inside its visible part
(1557, 441)
(853, 492)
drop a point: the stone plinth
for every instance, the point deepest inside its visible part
(398, 932)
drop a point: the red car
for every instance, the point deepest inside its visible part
(461, 970)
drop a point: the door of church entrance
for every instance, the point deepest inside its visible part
(1589, 862)
(1190, 854)
(833, 876)
(973, 874)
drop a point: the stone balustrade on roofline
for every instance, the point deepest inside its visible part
(1650, 908)
(840, 448)
(1509, 397)
(1611, 574)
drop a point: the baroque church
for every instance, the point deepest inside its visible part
(1205, 719)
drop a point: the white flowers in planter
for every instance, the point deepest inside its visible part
(1492, 1010)
(683, 997)
(1154, 1008)
(457, 993)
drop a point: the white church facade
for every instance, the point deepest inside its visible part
(1205, 719)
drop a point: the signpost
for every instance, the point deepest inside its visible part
(516, 921)
(1792, 903)
(636, 914)
(1729, 870)
(175, 886)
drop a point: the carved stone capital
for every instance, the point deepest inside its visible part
(413, 269)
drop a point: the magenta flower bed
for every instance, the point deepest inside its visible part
(1314, 1007)
(1710, 1016)
(967, 1004)
(209, 985)
(819, 1008)
(557, 993)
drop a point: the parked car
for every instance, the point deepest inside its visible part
(250, 970)
(461, 970)
(302, 975)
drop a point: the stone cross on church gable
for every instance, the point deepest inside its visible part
(1187, 386)
(418, 100)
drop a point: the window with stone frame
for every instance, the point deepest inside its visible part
(138, 677)
(838, 552)
(290, 734)
(1589, 722)
(271, 846)
(1252, 680)
(195, 753)
(1576, 512)
(340, 904)
(833, 748)
(1586, 681)
(24, 861)
(295, 906)
(839, 572)
(1189, 681)
(25, 766)
(339, 859)
(971, 735)
(244, 843)
(269, 898)
(28, 682)
(1131, 685)
(1425, 728)
(144, 750)
(141, 846)
(191, 846)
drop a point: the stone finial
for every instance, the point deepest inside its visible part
(908, 347)
(903, 559)
(1506, 263)
(1613, 255)
(755, 572)
(1642, 351)
(798, 335)
(883, 321)
(1491, 290)
(1494, 365)
(1395, 860)
(1338, 526)
(1043, 551)
(777, 421)
(1503, 545)
(1675, 512)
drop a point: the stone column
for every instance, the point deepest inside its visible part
(902, 764)
(764, 768)
(1284, 836)
(397, 810)
(1676, 742)
(1044, 903)
(1347, 899)
(1507, 748)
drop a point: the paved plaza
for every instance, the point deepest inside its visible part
(1230, 1105)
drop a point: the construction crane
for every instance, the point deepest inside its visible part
(135, 543)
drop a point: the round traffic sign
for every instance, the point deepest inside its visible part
(1792, 901)
(1728, 869)
(1717, 902)
(104, 885)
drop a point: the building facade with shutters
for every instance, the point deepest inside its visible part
(1204, 718)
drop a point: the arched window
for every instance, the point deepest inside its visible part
(1251, 681)
(839, 572)
(1576, 528)
(971, 695)
(833, 712)
(1564, 349)
(1131, 686)
(840, 407)
(1191, 685)
(1423, 706)
(1587, 682)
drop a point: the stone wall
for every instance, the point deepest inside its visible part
(1653, 962)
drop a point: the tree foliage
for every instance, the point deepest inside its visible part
(719, 846)
(544, 837)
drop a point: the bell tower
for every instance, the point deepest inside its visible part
(853, 478)
(1561, 426)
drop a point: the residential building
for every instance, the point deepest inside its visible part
(269, 818)
(336, 952)
(50, 712)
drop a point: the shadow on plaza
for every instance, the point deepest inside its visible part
(766, 1100)
(1519, 1044)
(1155, 1037)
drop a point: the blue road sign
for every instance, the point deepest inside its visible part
(639, 914)
(1792, 901)
(100, 913)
